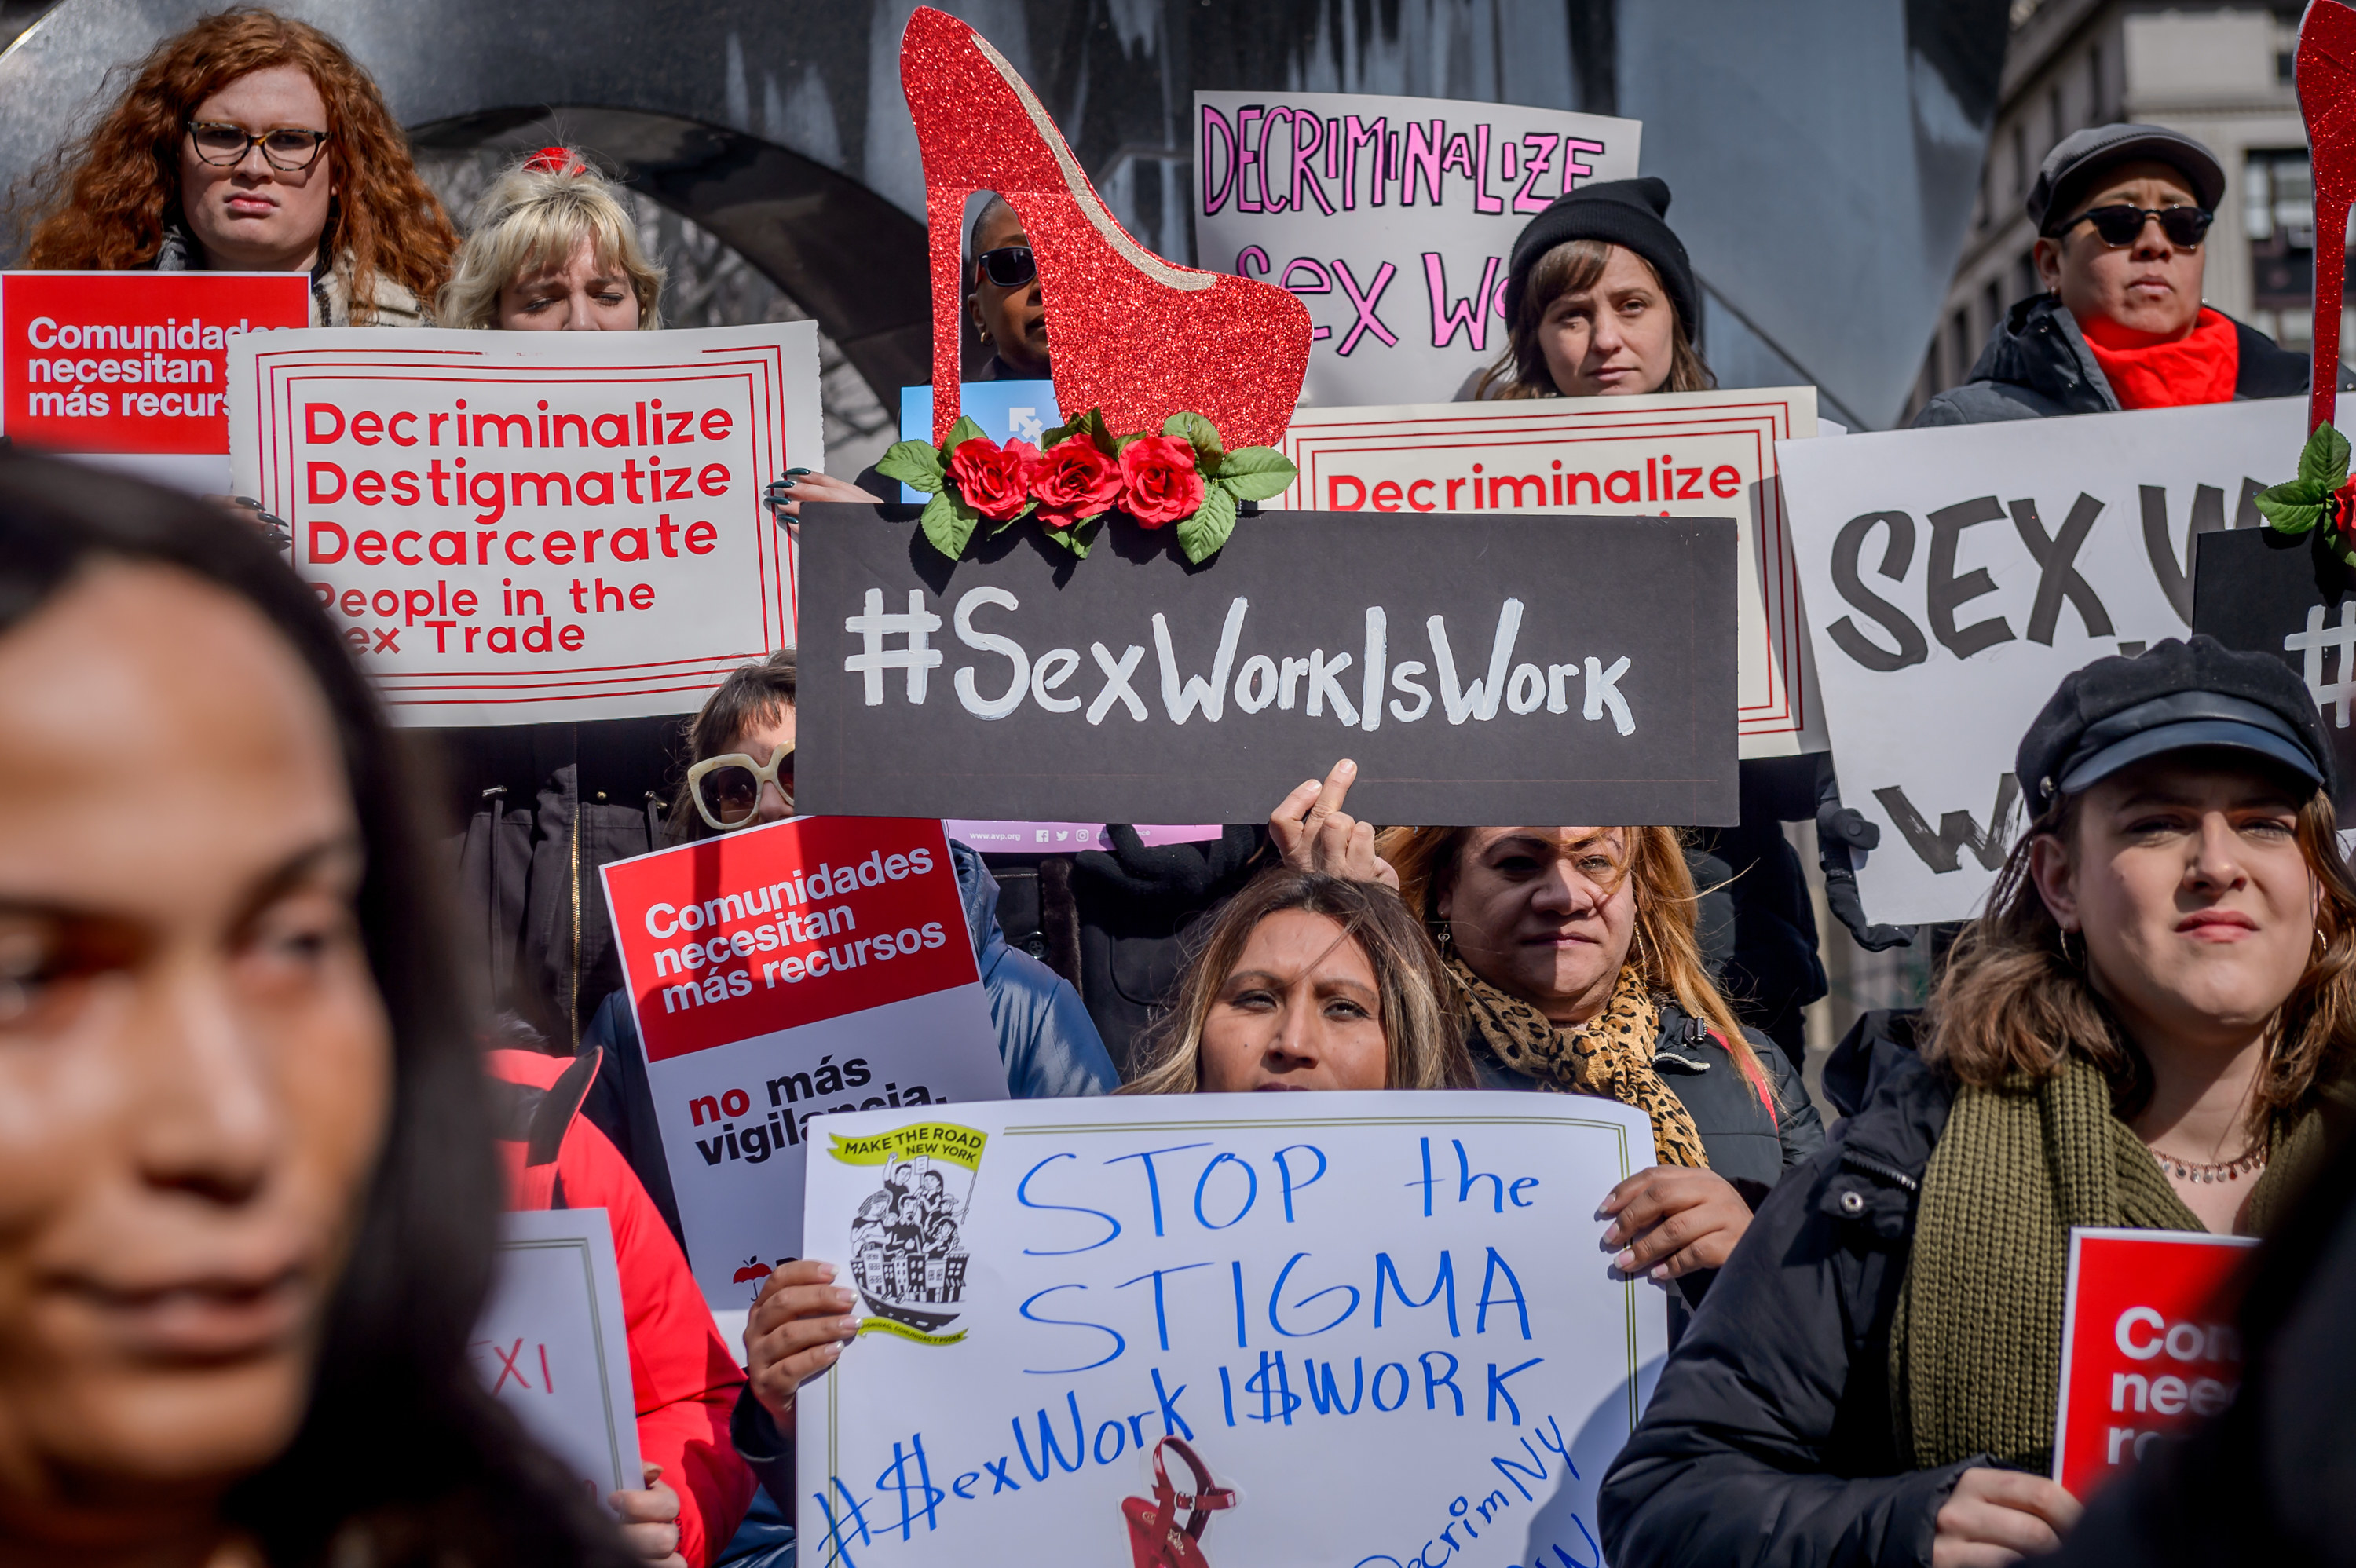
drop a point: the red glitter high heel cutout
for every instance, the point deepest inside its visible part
(1156, 1539)
(1129, 333)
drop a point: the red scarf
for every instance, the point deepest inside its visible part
(2198, 368)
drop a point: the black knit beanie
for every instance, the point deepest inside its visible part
(1621, 212)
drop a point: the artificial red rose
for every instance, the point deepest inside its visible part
(2340, 508)
(993, 479)
(1074, 481)
(1159, 482)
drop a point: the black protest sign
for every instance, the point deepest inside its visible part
(2276, 593)
(1481, 668)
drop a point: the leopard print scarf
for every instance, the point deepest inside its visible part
(1610, 1058)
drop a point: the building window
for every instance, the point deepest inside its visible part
(1959, 345)
(2025, 276)
(2095, 116)
(2278, 217)
(2020, 160)
(1992, 302)
(2053, 112)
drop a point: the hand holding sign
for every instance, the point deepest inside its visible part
(1672, 1219)
(1994, 1517)
(797, 1329)
(650, 1520)
(1314, 834)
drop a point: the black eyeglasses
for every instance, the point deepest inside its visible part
(286, 148)
(2121, 224)
(1008, 266)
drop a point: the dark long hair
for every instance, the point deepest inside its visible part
(400, 1437)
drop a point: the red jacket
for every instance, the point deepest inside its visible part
(685, 1378)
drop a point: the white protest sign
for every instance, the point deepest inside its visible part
(1392, 218)
(1954, 576)
(1383, 1324)
(527, 526)
(778, 973)
(1690, 454)
(553, 1347)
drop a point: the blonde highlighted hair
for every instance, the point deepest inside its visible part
(1423, 1034)
(533, 220)
(1665, 948)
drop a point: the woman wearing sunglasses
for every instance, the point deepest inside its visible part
(2123, 215)
(252, 143)
(1007, 315)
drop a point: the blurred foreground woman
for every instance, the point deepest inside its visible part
(247, 1184)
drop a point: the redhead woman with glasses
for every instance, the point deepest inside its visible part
(251, 142)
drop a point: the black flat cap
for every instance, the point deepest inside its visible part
(2077, 160)
(2171, 697)
(1633, 213)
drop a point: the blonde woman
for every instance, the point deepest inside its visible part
(554, 250)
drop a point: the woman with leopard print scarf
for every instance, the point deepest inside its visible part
(1574, 959)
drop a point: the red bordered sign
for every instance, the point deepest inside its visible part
(1685, 454)
(520, 527)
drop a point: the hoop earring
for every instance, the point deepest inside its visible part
(2062, 941)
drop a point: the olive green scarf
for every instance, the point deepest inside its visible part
(1976, 1342)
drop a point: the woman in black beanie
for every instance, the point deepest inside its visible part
(1599, 301)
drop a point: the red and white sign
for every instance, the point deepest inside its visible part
(522, 528)
(1684, 454)
(133, 365)
(2148, 1344)
(780, 973)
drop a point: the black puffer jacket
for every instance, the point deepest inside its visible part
(1768, 1440)
(2037, 365)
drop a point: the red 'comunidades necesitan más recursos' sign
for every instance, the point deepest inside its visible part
(2148, 1344)
(131, 362)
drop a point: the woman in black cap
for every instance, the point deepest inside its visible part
(2140, 1031)
(1599, 301)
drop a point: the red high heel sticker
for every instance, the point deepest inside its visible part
(1156, 1539)
(2327, 98)
(1129, 333)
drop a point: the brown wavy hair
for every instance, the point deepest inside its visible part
(104, 200)
(1569, 268)
(1667, 948)
(2012, 1003)
(1422, 1034)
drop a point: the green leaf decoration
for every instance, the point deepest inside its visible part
(2323, 460)
(2286, 516)
(1124, 442)
(1028, 508)
(915, 463)
(1200, 535)
(965, 429)
(949, 523)
(1257, 473)
(1202, 435)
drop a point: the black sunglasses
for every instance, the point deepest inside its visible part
(2121, 224)
(1008, 266)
